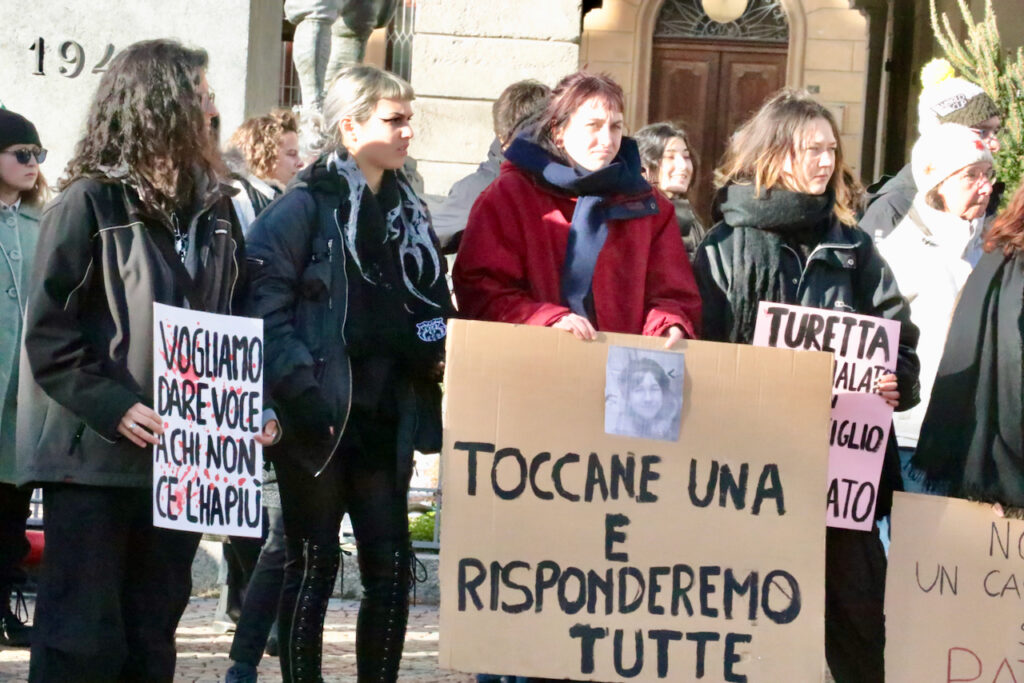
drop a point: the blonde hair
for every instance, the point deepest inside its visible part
(355, 93)
(258, 139)
(758, 150)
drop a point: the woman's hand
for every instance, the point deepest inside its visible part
(268, 435)
(141, 425)
(674, 334)
(886, 388)
(578, 325)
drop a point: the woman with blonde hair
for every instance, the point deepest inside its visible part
(788, 236)
(351, 288)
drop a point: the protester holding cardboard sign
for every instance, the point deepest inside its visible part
(971, 437)
(571, 236)
(351, 287)
(142, 218)
(788, 236)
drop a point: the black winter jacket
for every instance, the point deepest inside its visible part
(297, 259)
(89, 325)
(843, 272)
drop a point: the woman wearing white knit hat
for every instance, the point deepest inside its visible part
(934, 248)
(945, 98)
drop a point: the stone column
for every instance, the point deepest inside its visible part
(243, 38)
(465, 52)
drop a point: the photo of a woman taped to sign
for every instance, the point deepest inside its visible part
(643, 394)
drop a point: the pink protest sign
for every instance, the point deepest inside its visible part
(865, 348)
(208, 390)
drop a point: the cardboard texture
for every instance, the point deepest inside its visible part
(208, 390)
(649, 576)
(865, 348)
(953, 593)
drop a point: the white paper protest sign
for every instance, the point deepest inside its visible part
(865, 348)
(208, 391)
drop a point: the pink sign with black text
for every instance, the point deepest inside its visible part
(865, 348)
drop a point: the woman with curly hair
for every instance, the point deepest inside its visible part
(269, 150)
(972, 440)
(788, 235)
(142, 218)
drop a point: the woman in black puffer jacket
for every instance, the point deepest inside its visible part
(788, 236)
(351, 288)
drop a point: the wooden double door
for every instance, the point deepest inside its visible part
(710, 88)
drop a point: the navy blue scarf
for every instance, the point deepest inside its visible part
(592, 189)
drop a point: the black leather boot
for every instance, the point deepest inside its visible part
(380, 629)
(301, 625)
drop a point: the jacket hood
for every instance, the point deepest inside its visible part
(622, 176)
(774, 209)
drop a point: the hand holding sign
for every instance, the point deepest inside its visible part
(887, 388)
(140, 425)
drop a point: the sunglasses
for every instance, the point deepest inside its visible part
(25, 155)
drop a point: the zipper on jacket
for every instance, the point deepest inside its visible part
(77, 438)
(330, 259)
(348, 361)
(805, 266)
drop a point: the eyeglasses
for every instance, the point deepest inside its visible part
(986, 133)
(972, 177)
(25, 155)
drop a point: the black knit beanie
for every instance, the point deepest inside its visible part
(15, 129)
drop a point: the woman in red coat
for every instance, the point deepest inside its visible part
(571, 236)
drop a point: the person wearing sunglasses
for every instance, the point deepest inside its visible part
(22, 193)
(933, 251)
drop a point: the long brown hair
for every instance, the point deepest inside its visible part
(1007, 231)
(758, 150)
(146, 125)
(652, 140)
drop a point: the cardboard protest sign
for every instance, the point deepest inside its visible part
(865, 348)
(208, 386)
(570, 552)
(953, 593)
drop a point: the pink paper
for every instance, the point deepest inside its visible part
(864, 349)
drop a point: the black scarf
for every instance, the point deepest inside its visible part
(762, 224)
(971, 437)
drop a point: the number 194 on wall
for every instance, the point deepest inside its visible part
(72, 58)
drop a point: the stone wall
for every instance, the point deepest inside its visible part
(243, 38)
(464, 54)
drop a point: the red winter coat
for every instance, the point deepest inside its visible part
(510, 262)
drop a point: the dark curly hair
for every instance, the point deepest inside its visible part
(146, 125)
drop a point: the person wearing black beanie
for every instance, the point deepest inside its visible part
(22, 192)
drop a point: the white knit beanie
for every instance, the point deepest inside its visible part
(944, 150)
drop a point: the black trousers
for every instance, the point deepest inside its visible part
(368, 489)
(241, 555)
(112, 590)
(855, 567)
(14, 510)
(262, 595)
